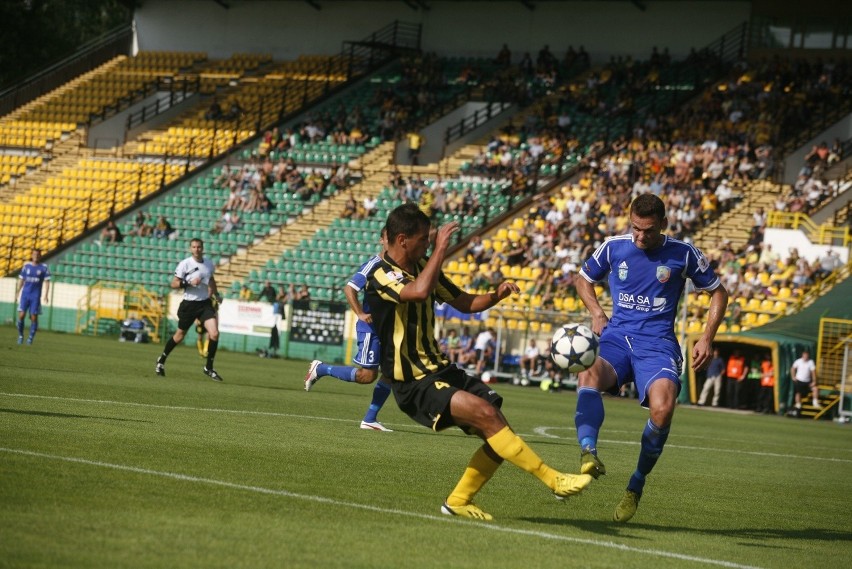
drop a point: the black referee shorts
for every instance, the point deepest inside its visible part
(427, 401)
(191, 310)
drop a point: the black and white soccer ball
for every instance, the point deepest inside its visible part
(574, 347)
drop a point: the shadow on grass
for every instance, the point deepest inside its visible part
(69, 415)
(618, 529)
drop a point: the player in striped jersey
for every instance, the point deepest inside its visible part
(647, 274)
(369, 349)
(427, 387)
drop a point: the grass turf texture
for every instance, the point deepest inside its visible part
(104, 464)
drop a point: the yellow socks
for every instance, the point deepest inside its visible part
(511, 447)
(479, 470)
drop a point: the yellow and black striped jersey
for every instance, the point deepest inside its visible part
(406, 329)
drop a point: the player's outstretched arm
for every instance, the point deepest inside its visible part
(702, 351)
(470, 303)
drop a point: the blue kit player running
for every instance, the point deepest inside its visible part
(647, 274)
(35, 276)
(368, 356)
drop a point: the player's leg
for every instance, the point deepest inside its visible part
(472, 409)
(33, 326)
(381, 391)
(211, 324)
(367, 356)
(603, 376)
(21, 315)
(186, 318)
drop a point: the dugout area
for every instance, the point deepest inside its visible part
(823, 328)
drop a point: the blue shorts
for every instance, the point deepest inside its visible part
(641, 361)
(31, 304)
(369, 352)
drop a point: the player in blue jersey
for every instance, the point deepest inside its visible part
(35, 277)
(368, 355)
(647, 274)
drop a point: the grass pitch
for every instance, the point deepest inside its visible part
(104, 464)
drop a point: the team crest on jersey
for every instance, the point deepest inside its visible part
(663, 273)
(394, 276)
(622, 271)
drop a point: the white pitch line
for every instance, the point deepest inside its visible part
(390, 511)
(539, 431)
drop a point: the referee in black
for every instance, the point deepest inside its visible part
(195, 276)
(401, 292)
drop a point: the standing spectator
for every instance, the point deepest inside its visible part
(194, 275)
(34, 277)
(484, 348)
(714, 380)
(803, 372)
(766, 399)
(415, 145)
(268, 293)
(735, 373)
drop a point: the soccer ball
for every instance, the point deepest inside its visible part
(574, 347)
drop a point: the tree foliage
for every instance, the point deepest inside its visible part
(37, 33)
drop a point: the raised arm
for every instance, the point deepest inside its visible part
(420, 288)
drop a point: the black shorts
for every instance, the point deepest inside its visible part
(191, 310)
(802, 387)
(427, 401)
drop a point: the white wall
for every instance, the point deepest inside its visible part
(287, 29)
(782, 240)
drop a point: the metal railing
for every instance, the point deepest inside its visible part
(825, 234)
(178, 92)
(472, 122)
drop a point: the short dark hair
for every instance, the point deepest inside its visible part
(194, 239)
(648, 205)
(406, 219)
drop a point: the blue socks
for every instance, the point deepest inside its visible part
(589, 417)
(21, 327)
(653, 440)
(380, 395)
(343, 373)
(33, 328)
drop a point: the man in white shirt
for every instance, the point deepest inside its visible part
(194, 275)
(804, 380)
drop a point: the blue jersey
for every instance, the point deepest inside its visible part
(33, 277)
(646, 284)
(358, 282)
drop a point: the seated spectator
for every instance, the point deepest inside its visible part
(303, 293)
(245, 293)
(111, 233)
(229, 221)
(163, 229)
(350, 208)
(235, 111)
(141, 225)
(214, 112)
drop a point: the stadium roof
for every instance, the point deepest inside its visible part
(426, 4)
